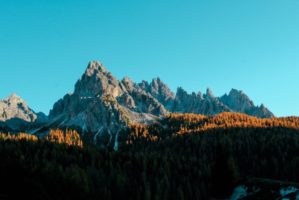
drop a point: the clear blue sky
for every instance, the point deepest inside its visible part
(252, 45)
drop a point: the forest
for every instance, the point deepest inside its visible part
(183, 156)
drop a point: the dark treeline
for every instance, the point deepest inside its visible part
(182, 157)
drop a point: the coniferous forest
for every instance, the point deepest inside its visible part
(183, 156)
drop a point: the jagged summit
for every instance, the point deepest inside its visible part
(234, 91)
(198, 103)
(128, 83)
(14, 106)
(14, 98)
(156, 82)
(158, 89)
(96, 81)
(238, 101)
(94, 67)
(209, 93)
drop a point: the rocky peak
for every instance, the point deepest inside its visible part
(238, 94)
(156, 83)
(235, 92)
(237, 100)
(14, 107)
(128, 83)
(180, 93)
(199, 95)
(209, 93)
(13, 96)
(94, 67)
(97, 81)
(159, 91)
(240, 102)
(264, 111)
(144, 85)
(197, 103)
(14, 99)
(159, 88)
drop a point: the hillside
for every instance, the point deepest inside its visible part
(180, 157)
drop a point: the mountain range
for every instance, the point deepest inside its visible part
(102, 104)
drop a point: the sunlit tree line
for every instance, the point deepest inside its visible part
(180, 124)
(68, 137)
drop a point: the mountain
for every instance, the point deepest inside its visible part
(16, 115)
(240, 102)
(197, 103)
(104, 106)
(15, 107)
(160, 91)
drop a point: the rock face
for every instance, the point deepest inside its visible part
(15, 107)
(197, 103)
(160, 91)
(15, 114)
(240, 102)
(103, 105)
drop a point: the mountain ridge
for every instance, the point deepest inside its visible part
(103, 105)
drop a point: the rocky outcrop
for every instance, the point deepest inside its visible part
(15, 107)
(16, 115)
(237, 101)
(197, 103)
(160, 91)
(208, 104)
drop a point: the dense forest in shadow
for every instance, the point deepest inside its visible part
(183, 156)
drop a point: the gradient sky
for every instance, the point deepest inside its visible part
(251, 45)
